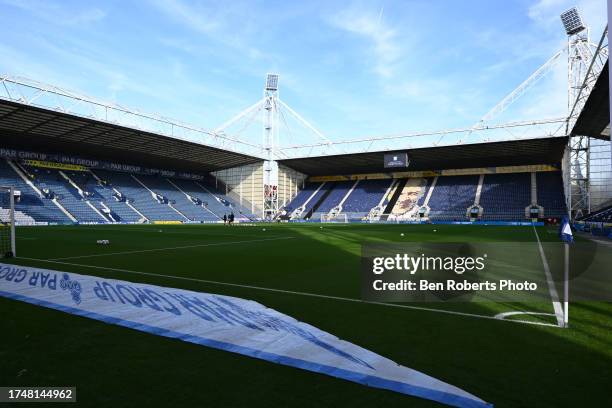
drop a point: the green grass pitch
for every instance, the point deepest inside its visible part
(312, 274)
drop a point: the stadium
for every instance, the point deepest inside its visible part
(147, 261)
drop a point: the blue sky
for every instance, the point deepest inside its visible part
(351, 68)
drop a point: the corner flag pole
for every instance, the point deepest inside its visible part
(565, 233)
(566, 288)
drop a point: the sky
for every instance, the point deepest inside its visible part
(351, 68)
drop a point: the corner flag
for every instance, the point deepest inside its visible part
(565, 232)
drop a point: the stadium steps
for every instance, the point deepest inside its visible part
(210, 204)
(32, 201)
(200, 212)
(333, 199)
(161, 194)
(139, 197)
(452, 197)
(66, 194)
(320, 201)
(122, 209)
(231, 200)
(346, 196)
(298, 212)
(82, 193)
(396, 194)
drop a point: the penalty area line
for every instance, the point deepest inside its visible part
(291, 292)
(170, 248)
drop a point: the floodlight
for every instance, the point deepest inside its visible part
(572, 22)
(272, 82)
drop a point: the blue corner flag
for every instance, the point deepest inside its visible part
(565, 232)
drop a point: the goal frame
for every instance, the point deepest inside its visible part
(11, 220)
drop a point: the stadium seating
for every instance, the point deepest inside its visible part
(301, 196)
(602, 215)
(30, 203)
(221, 200)
(177, 199)
(104, 195)
(410, 198)
(139, 197)
(504, 197)
(421, 200)
(212, 209)
(550, 194)
(314, 201)
(451, 197)
(66, 194)
(339, 189)
(366, 195)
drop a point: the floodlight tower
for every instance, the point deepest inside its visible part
(270, 130)
(583, 71)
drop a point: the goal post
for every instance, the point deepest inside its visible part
(7, 222)
(335, 218)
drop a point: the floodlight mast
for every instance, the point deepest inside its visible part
(585, 62)
(270, 128)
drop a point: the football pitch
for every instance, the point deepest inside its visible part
(310, 272)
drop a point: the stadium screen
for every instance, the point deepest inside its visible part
(396, 160)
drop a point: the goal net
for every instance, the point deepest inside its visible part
(336, 218)
(7, 222)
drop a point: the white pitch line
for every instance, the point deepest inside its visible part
(507, 314)
(551, 284)
(170, 248)
(291, 292)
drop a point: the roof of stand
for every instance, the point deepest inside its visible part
(547, 150)
(33, 128)
(595, 115)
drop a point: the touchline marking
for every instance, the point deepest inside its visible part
(551, 285)
(291, 292)
(169, 248)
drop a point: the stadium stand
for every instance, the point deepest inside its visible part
(504, 197)
(337, 191)
(602, 215)
(30, 203)
(177, 199)
(106, 198)
(212, 208)
(451, 197)
(550, 194)
(152, 207)
(317, 197)
(301, 197)
(224, 203)
(103, 196)
(410, 198)
(366, 195)
(67, 195)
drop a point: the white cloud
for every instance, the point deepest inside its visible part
(196, 18)
(381, 39)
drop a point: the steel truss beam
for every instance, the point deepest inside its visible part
(584, 67)
(33, 93)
